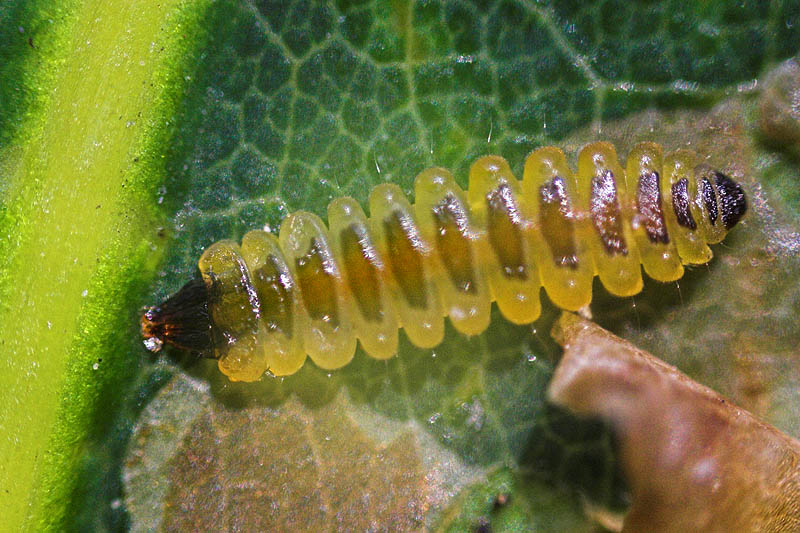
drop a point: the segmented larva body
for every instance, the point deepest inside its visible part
(318, 290)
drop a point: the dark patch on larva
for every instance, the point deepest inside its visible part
(732, 200)
(680, 203)
(361, 272)
(453, 243)
(405, 258)
(606, 213)
(505, 233)
(648, 203)
(275, 296)
(710, 200)
(246, 285)
(317, 285)
(555, 217)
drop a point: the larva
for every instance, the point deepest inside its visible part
(317, 290)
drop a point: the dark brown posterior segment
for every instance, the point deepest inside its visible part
(182, 320)
(648, 203)
(274, 296)
(555, 217)
(606, 213)
(405, 258)
(362, 274)
(505, 233)
(680, 203)
(317, 286)
(452, 241)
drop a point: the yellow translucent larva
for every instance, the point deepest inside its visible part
(318, 290)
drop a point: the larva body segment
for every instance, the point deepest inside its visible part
(565, 264)
(281, 310)
(235, 312)
(496, 201)
(608, 234)
(410, 265)
(374, 317)
(445, 222)
(317, 290)
(328, 336)
(657, 250)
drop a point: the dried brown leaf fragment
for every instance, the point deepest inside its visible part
(693, 460)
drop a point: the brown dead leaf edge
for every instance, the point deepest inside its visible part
(693, 460)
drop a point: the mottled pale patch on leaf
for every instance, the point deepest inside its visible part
(257, 470)
(694, 460)
(159, 435)
(290, 468)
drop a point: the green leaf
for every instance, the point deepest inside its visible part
(255, 109)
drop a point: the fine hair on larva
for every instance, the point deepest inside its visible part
(317, 290)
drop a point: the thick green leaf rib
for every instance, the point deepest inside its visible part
(79, 204)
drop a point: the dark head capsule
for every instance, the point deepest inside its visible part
(732, 200)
